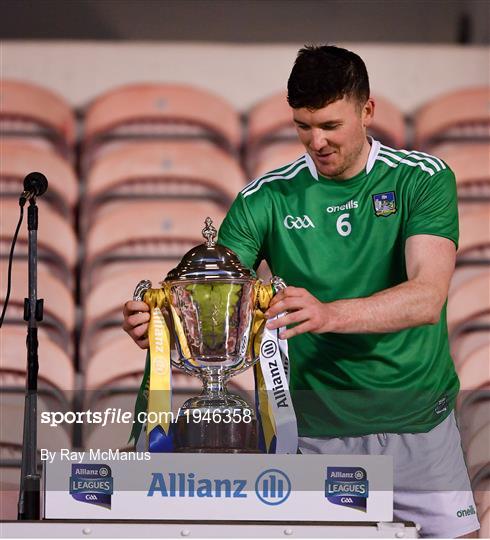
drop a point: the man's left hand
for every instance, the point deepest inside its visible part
(303, 310)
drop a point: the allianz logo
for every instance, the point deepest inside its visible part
(339, 208)
(295, 222)
(271, 487)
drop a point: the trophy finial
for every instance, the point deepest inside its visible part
(209, 232)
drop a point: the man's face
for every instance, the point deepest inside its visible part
(335, 136)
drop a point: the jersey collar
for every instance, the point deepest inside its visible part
(373, 153)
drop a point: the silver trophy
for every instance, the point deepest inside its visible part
(215, 306)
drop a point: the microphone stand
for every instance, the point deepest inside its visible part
(30, 481)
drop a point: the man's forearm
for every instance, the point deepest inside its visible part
(412, 303)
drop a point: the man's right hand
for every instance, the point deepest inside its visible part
(136, 319)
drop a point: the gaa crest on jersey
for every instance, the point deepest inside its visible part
(384, 203)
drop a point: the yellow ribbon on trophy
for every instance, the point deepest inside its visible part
(160, 391)
(264, 294)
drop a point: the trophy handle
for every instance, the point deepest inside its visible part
(141, 288)
(278, 284)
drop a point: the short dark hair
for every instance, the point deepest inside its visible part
(323, 74)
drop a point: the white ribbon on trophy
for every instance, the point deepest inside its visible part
(274, 363)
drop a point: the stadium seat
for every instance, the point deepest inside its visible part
(121, 362)
(474, 370)
(151, 230)
(473, 257)
(12, 421)
(481, 491)
(57, 244)
(9, 496)
(160, 110)
(104, 303)
(473, 414)
(463, 115)
(162, 169)
(276, 155)
(484, 531)
(270, 121)
(470, 337)
(471, 166)
(18, 158)
(469, 300)
(56, 370)
(478, 449)
(29, 110)
(59, 305)
(474, 233)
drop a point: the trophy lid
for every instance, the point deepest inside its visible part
(209, 261)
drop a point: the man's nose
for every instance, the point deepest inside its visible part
(318, 139)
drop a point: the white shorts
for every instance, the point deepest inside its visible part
(431, 484)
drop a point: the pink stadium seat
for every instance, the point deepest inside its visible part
(471, 165)
(162, 169)
(481, 492)
(484, 531)
(57, 244)
(471, 336)
(33, 111)
(12, 421)
(462, 115)
(474, 245)
(56, 371)
(18, 158)
(9, 495)
(473, 230)
(59, 305)
(468, 301)
(474, 371)
(276, 155)
(104, 303)
(147, 230)
(473, 414)
(161, 110)
(478, 449)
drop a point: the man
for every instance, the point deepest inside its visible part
(365, 236)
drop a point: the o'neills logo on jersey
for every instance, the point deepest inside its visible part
(292, 222)
(346, 206)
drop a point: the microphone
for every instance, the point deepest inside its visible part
(35, 184)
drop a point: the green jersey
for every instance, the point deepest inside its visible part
(346, 239)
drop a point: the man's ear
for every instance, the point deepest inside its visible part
(368, 112)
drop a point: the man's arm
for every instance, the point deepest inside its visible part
(430, 264)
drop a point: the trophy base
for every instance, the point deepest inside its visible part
(213, 423)
(216, 437)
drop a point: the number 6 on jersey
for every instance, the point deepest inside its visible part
(344, 227)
